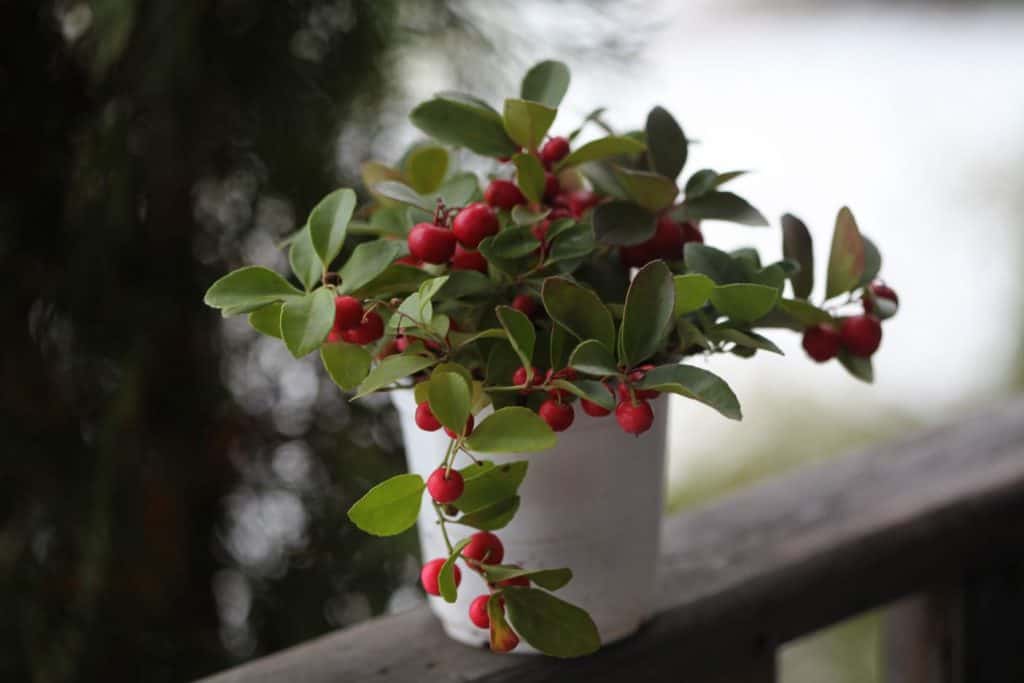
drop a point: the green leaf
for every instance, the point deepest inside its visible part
(806, 314)
(523, 216)
(492, 517)
(390, 507)
(723, 206)
(546, 82)
(553, 626)
(511, 430)
(650, 302)
(425, 168)
(372, 172)
(650, 190)
(622, 223)
(446, 577)
(305, 322)
(592, 390)
(716, 264)
(521, 333)
(529, 176)
(559, 346)
(513, 242)
(695, 383)
(328, 222)
(744, 302)
(368, 261)
(267, 320)
(574, 242)
(347, 364)
(451, 399)
(872, 261)
(551, 579)
(527, 122)
(460, 189)
(747, 339)
(578, 310)
(464, 123)
(486, 483)
(666, 144)
(692, 292)
(797, 246)
(400, 192)
(691, 335)
(249, 288)
(396, 278)
(466, 283)
(601, 175)
(602, 148)
(304, 261)
(392, 369)
(846, 260)
(861, 368)
(705, 180)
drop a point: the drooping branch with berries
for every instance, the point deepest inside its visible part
(578, 274)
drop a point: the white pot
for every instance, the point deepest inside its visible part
(593, 504)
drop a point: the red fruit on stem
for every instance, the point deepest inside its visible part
(425, 419)
(430, 572)
(691, 233)
(483, 547)
(634, 418)
(822, 342)
(557, 214)
(667, 241)
(637, 376)
(525, 304)
(884, 291)
(366, 332)
(861, 335)
(464, 259)
(402, 343)
(389, 349)
(431, 243)
(551, 187)
(444, 485)
(335, 336)
(503, 194)
(554, 150)
(540, 230)
(478, 611)
(474, 223)
(519, 376)
(558, 415)
(348, 312)
(469, 429)
(596, 409)
(581, 200)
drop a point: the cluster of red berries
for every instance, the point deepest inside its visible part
(860, 335)
(426, 421)
(353, 325)
(436, 244)
(667, 242)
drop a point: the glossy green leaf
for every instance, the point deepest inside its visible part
(846, 259)
(451, 399)
(392, 369)
(592, 390)
(602, 148)
(622, 223)
(267, 319)
(368, 261)
(691, 336)
(716, 264)
(425, 168)
(400, 192)
(804, 313)
(666, 144)
(466, 283)
(249, 288)
(723, 206)
(328, 222)
(861, 368)
(576, 241)
(798, 246)
(527, 122)
(462, 122)
(396, 278)
(446, 577)
(747, 339)
(695, 383)
(692, 292)
(305, 322)
(390, 507)
(744, 302)
(303, 259)
(578, 310)
(460, 189)
(511, 243)
(529, 176)
(652, 191)
(601, 175)
(521, 215)
(486, 482)
(494, 516)
(546, 82)
(511, 430)
(650, 302)
(706, 180)
(521, 333)
(347, 364)
(555, 627)
(551, 579)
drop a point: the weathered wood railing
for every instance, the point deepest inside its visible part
(937, 521)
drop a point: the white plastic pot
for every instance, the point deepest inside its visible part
(593, 504)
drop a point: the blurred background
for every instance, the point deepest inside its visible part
(173, 488)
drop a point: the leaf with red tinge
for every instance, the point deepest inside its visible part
(503, 638)
(846, 261)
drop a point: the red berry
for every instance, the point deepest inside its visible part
(525, 304)
(389, 349)
(464, 259)
(636, 255)
(634, 418)
(431, 243)
(595, 409)
(691, 233)
(335, 336)
(637, 376)
(469, 429)
(348, 312)
(861, 335)
(551, 188)
(483, 547)
(554, 150)
(445, 486)
(559, 213)
(667, 241)
(822, 342)
(474, 223)
(581, 200)
(558, 415)
(540, 230)
(478, 611)
(623, 390)
(884, 291)
(430, 572)
(523, 581)
(519, 376)
(503, 194)
(425, 419)
(366, 332)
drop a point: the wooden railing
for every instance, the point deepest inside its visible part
(935, 522)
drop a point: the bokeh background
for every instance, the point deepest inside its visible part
(173, 488)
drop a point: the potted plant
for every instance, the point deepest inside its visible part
(562, 297)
